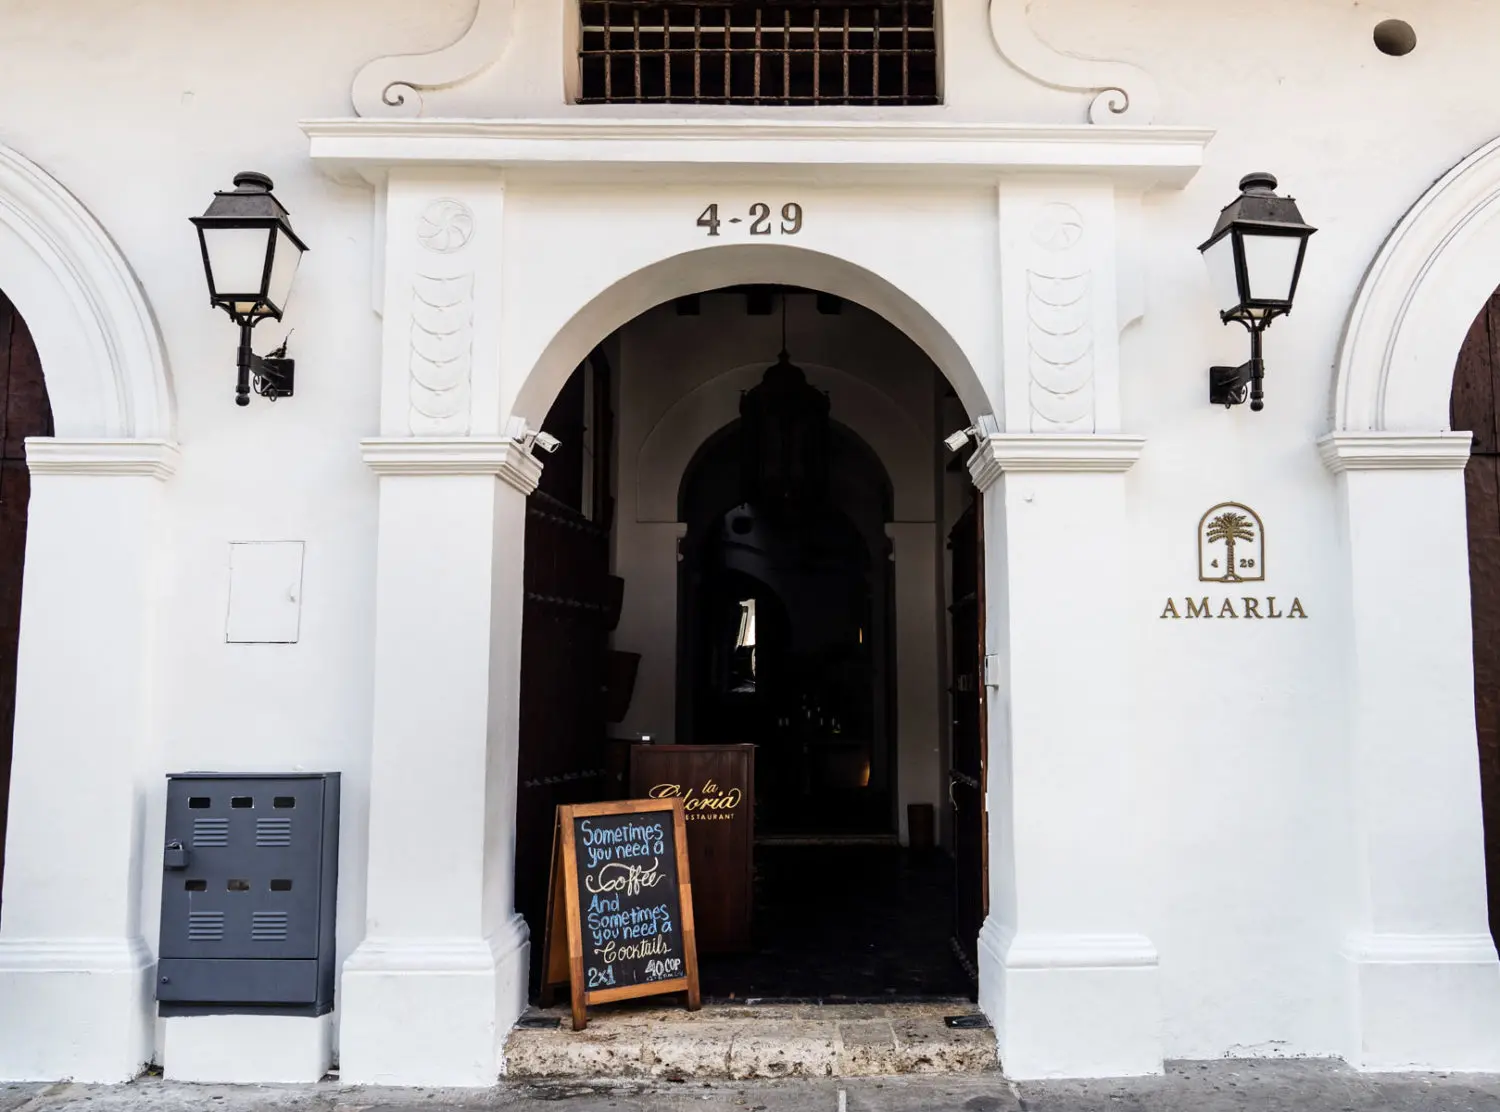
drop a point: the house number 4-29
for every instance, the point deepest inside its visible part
(762, 223)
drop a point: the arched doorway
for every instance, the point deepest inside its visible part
(774, 575)
(1476, 409)
(24, 411)
(784, 633)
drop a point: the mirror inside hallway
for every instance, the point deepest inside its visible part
(753, 583)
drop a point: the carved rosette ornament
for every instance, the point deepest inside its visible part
(442, 324)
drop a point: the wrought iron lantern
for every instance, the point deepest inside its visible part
(250, 256)
(1254, 260)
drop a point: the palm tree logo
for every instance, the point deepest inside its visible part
(1228, 528)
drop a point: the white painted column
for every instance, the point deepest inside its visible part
(75, 973)
(1066, 974)
(920, 700)
(1423, 974)
(441, 974)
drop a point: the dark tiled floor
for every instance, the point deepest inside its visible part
(848, 923)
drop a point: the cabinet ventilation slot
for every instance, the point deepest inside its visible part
(273, 832)
(205, 926)
(210, 833)
(268, 926)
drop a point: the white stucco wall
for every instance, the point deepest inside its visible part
(1240, 751)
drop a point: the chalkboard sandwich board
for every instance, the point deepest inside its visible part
(620, 906)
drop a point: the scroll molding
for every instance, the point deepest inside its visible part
(393, 85)
(1124, 94)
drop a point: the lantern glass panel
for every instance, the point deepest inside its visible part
(1223, 277)
(283, 270)
(237, 262)
(1271, 263)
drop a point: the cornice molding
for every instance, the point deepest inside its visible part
(46, 455)
(1052, 452)
(127, 954)
(1126, 94)
(586, 147)
(393, 85)
(1415, 949)
(1394, 451)
(468, 455)
(1036, 950)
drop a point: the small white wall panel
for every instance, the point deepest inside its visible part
(265, 592)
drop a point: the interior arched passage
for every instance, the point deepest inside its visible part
(818, 585)
(713, 268)
(679, 435)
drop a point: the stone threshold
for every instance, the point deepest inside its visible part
(654, 1039)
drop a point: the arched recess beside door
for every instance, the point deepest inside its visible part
(72, 959)
(1422, 960)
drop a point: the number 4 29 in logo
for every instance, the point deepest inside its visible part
(1231, 545)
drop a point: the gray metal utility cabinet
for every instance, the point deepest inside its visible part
(250, 872)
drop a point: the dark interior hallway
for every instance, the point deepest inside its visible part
(845, 924)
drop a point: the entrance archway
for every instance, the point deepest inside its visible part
(73, 958)
(847, 552)
(1419, 943)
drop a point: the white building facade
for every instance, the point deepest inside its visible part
(1246, 827)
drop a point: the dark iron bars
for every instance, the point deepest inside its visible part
(791, 52)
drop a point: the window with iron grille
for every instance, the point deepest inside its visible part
(758, 52)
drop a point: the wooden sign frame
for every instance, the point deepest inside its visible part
(563, 963)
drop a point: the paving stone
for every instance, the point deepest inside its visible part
(13, 1096)
(867, 1048)
(790, 1048)
(587, 1053)
(927, 1045)
(690, 1050)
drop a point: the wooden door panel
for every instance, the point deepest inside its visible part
(564, 639)
(966, 776)
(24, 411)
(1475, 407)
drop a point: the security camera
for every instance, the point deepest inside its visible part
(547, 442)
(957, 440)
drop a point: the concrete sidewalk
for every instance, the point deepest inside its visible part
(1227, 1086)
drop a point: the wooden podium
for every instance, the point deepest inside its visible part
(716, 784)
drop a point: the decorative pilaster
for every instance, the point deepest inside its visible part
(441, 974)
(440, 355)
(75, 972)
(1067, 975)
(1422, 968)
(1058, 307)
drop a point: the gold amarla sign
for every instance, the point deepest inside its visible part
(1231, 550)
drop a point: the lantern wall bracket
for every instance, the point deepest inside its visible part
(1231, 386)
(271, 376)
